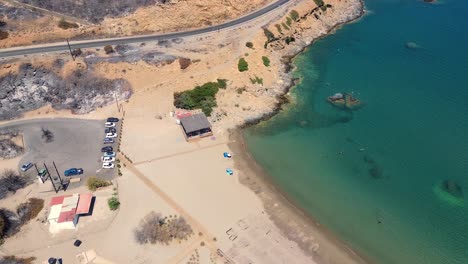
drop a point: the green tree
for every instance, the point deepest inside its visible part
(294, 15)
(278, 27)
(242, 65)
(266, 61)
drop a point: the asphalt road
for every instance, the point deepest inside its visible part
(136, 39)
(76, 144)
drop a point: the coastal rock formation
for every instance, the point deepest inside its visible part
(33, 87)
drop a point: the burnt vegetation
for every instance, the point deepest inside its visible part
(93, 10)
(47, 135)
(155, 228)
(10, 182)
(32, 87)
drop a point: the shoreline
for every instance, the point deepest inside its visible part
(295, 223)
(281, 209)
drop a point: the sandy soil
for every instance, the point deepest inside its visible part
(240, 217)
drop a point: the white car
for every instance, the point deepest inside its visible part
(111, 135)
(107, 165)
(110, 124)
(109, 154)
(107, 159)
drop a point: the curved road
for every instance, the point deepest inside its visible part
(10, 52)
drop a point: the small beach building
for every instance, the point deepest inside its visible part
(66, 209)
(196, 126)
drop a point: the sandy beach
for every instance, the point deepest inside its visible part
(241, 218)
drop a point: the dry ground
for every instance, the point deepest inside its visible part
(173, 16)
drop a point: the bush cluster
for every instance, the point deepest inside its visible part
(266, 61)
(113, 203)
(242, 65)
(30, 209)
(249, 45)
(3, 34)
(294, 15)
(63, 24)
(10, 181)
(201, 97)
(157, 229)
(184, 63)
(108, 49)
(95, 183)
(16, 260)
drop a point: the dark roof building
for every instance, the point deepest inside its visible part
(195, 126)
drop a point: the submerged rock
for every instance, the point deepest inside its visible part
(411, 45)
(453, 188)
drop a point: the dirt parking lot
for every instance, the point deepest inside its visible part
(76, 143)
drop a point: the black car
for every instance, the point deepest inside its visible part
(110, 130)
(52, 260)
(112, 119)
(107, 149)
(59, 261)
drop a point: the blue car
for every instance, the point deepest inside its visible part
(73, 171)
(26, 166)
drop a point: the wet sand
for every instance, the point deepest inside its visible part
(316, 240)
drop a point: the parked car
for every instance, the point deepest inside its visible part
(109, 154)
(59, 261)
(108, 159)
(108, 141)
(112, 119)
(107, 165)
(42, 172)
(111, 135)
(107, 149)
(110, 124)
(26, 166)
(110, 130)
(52, 260)
(73, 171)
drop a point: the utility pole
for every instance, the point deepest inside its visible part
(69, 48)
(117, 102)
(50, 177)
(58, 174)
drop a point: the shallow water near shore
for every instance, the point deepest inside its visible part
(373, 176)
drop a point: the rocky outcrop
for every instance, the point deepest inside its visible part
(33, 87)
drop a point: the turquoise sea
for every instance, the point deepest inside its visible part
(373, 176)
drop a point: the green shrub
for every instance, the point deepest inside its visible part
(242, 65)
(278, 27)
(285, 26)
(319, 2)
(270, 36)
(256, 80)
(288, 21)
(266, 61)
(66, 25)
(294, 15)
(95, 183)
(222, 83)
(3, 34)
(289, 40)
(249, 45)
(113, 203)
(201, 97)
